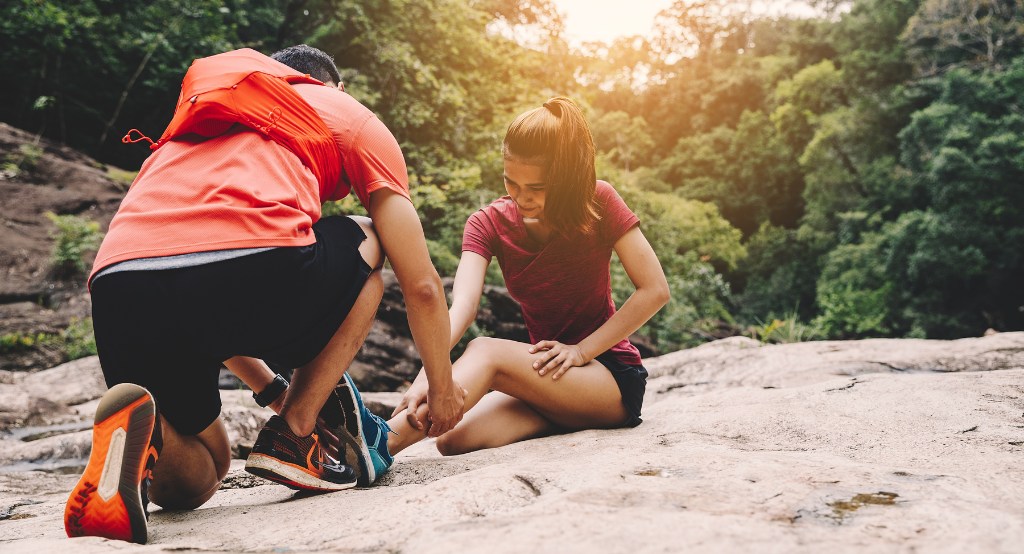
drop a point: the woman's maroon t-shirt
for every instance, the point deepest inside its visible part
(563, 286)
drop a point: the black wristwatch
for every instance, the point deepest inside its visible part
(271, 392)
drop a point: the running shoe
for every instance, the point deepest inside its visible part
(367, 432)
(111, 498)
(339, 416)
(296, 462)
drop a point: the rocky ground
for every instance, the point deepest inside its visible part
(875, 445)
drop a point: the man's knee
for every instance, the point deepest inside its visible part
(370, 249)
(190, 467)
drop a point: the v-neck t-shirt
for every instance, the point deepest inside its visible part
(563, 285)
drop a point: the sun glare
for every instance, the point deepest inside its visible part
(607, 20)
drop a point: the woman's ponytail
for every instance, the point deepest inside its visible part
(557, 137)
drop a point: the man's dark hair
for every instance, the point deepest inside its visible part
(313, 61)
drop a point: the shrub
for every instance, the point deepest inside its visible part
(74, 237)
(21, 342)
(24, 158)
(78, 340)
(786, 330)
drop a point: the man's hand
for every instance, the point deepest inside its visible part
(411, 401)
(557, 357)
(445, 407)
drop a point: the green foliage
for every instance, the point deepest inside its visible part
(444, 260)
(950, 33)
(19, 342)
(626, 140)
(676, 226)
(443, 83)
(947, 264)
(444, 201)
(74, 237)
(779, 275)
(853, 295)
(123, 178)
(748, 172)
(78, 340)
(24, 158)
(787, 330)
(89, 70)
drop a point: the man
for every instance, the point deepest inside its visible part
(218, 255)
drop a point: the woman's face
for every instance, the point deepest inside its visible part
(525, 184)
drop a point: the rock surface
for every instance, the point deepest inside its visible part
(875, 445)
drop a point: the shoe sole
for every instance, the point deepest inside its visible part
(107, 501)
(350, 405)
(290, 475)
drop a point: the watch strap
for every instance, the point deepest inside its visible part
(271, 392)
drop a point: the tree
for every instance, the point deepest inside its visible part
(623, 138)
(950, 33)
(949, 265)
(96, 68)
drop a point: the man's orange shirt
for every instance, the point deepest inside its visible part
(242, 190)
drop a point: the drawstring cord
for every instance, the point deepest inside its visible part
(127, 139)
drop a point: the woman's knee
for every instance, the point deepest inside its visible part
(453, 443)
(501, 360)
(482, 347)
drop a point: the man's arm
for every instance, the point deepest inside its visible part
(401, 236)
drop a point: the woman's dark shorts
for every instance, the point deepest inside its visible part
(632, 381)
(169, 330)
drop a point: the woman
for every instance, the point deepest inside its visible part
(553, 236)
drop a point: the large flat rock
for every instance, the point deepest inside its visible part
(880, 445)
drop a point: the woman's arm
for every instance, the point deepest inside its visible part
(644, 270)
(466, 293)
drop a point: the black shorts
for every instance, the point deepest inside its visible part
(170, 330)
(632, 382)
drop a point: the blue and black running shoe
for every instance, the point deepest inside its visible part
(363, 435)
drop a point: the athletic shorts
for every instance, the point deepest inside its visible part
(169, 330)
(632, 382)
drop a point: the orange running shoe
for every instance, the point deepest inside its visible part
(110, 499)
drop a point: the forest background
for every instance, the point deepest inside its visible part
(854, 173)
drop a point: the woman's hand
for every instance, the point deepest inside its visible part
(557, 357)
(411, 401)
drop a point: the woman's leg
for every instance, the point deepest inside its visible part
(584, 397)
(497, 420)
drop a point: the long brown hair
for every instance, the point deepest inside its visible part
(556, 136)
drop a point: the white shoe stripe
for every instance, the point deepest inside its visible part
(111, 476)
